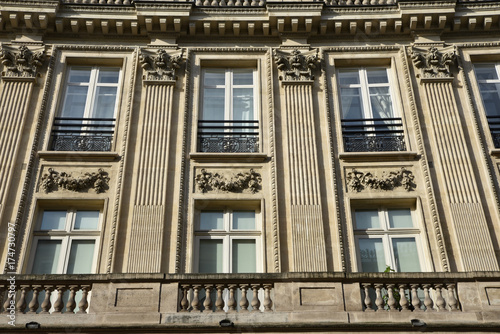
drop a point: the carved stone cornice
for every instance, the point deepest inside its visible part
(53, 180)
(21, 63)
(357, 181)
(160, 66)
(297, 65)
(434, 63)
(250, 180)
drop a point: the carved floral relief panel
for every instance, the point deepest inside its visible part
(387, 180)
(91, 179)
(233, 181)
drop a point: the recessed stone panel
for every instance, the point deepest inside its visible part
(493, 295)
(318, 297)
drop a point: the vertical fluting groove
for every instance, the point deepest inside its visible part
(309, 253)
(13, 108)
(148, 212)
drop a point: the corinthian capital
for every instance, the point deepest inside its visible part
(297, 65)
(434, 63)
(21, 62)
(160, 66)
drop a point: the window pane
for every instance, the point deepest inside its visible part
(372, 255)
(109, 75)
(349, 77)
(214, 77)
(81, 257)
(105, 102)
(74, 104)
(86, 220)
(243, 220)
(381, 103)
(213, 104)
(211, 220)
(46, 257)
(243, 77)
(400, 218)
(53, 220)
(244, 256)
(351, 103)
(79, 75)
(377, 76)
(243, 104)
(490, 94)
(366, 219)
(486, 72)
(210, 256)
(406, 255)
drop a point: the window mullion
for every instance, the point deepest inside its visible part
(365, 95)
(89, 106)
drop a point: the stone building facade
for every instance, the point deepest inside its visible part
(250, 166)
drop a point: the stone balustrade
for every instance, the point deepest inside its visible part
(98, 2)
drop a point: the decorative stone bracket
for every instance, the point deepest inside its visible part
(160, 67)
(297, 66)
(21, 63)
(357, 181)
(250, 180)
(434, 63)
(55, 180)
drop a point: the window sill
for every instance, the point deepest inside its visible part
(229, 157)
(379, 156)
(78, 156)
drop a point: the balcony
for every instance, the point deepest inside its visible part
(261, 302)
(228, 136)
(494, 124)
(373, 135)
(82, 134)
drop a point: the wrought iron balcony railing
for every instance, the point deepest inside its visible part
(82, 134)
(228, 136)
(494, 124)
(373, 135)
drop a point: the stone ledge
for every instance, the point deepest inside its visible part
(378, 156)
(229, 157)
(78, 156)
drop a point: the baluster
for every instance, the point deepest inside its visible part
(255, 298)
(440, 303)
(403, 301)
(34, 304)
(58, 305)
(71, 304)
(21, 304)
(244, 301)
(379, 301)
(268, 303)
(2, 296)
(7, 303)
(231, 302)
(184, 301)
(46, 304)
(415, 301)
(452, 301)
(391, 301)
(219, 303)
(195, 303)
(207, 304)
(84, 303)
(368, 300)
(429, 304)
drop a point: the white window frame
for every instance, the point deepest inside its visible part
(496, 67)
(92, 86)
(388, 234)
(67, 236)
(227, 235)
(364, 86)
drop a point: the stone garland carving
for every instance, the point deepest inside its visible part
(207, 181)
(160, 67)
(54, 180)
(434, 63)
(297, 66)
(22, 63)
(357, 181)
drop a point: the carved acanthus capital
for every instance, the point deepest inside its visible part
(21, 62)
(160, 66)
(239, 182)
(297, 65)
(357, 181)
(53, 180)
(434, 63)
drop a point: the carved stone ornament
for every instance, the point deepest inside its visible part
(357, 181)
(22, 62)
(297, 66)
(55, 180)
(250, 180)
(160, 66)
(434, 63)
